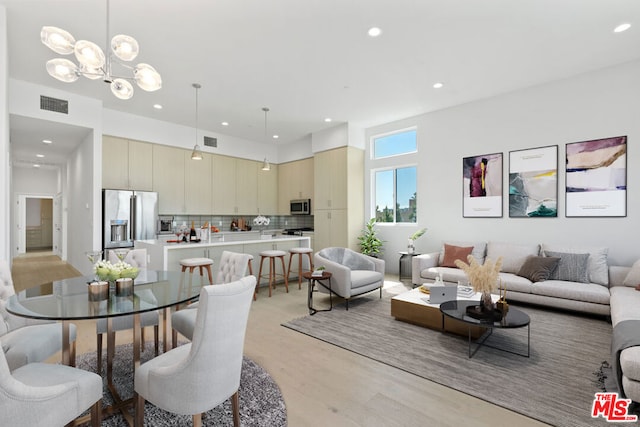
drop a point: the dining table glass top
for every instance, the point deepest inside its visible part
(70, 299)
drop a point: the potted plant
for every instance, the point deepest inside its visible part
(415, 236)
(370, 244)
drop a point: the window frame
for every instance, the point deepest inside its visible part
(386, 134)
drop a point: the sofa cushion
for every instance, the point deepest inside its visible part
(572, 267)
(598, 263)
(586, 292)
(479, 249)
(515, 283)
(538, 268)
(624, 304)
(452, 253)
(513, 255)
(449, 274)
(633, 277)
(361, 278)
(630, 363)
(356, 261)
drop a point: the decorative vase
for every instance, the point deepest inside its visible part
(410, 247)
(486, 301)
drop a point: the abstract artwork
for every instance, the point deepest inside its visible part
(596, 178)
(533, 182)
(482, 186)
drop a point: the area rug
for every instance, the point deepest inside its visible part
(261, 402)
(556, 385)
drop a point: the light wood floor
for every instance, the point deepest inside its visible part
(326, 385)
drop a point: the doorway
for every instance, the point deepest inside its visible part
(38, 224)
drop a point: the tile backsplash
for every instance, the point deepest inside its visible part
(223, 222)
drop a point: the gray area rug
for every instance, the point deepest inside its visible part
(556, 385)
(261, 402)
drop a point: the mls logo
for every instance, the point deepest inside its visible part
(613, 409)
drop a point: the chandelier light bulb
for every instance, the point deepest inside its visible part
(121, 88)
(58, 40)
(89, 54)
(147, 77)
(62, 69)
(125, 47)
(91, 73)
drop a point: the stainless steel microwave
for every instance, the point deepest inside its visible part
(300, 207)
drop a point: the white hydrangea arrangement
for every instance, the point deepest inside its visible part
(111, 272)
(261, 220)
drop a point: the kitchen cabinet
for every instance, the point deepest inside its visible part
(126, 164)
(169, 179)
(198, 184)
(339, 197)
(295, 181)
(235, 186)
(268, 190)
(247, 186)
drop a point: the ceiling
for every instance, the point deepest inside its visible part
(309, 60)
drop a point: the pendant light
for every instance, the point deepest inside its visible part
(196, 154)
(266, 166)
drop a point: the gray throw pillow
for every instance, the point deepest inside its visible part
(538, 268)
(572, 267)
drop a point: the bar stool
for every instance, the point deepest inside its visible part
(201, 263)
(300, 252)
(272, 255)
(255, 292)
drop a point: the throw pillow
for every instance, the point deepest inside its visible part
(633, 277)
(479, 249)
(538, 268)
(513, 255)
(598, 264)
(452, 253)
(572, 267)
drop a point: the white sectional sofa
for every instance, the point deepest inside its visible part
(581, 281)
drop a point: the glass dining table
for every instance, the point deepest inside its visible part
(71, 299)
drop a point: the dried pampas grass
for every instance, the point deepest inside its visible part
(482, 277)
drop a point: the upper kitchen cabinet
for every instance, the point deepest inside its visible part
(295, 181)
(169, 179)
(235, 186)
(126, 164)
(330, 178)
(198, 184)
(268, 190)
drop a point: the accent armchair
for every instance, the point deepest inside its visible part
(44, 394)
(27, 340)
(200, 375)
(352, 273)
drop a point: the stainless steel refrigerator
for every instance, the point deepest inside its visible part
(128, 216)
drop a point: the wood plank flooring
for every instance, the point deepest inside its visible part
(326, 385)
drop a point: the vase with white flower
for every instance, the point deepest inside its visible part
(411, 248)
(261, 221)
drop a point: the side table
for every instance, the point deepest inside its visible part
(325, 282)
(404, 268)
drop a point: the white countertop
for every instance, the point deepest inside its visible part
(251, 237)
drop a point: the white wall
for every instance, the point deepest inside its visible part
(36, 181)
(327, 139)
(594, 105)
(5, 166)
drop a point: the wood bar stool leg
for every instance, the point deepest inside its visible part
(286, 280)
(289, 269)
(299, 271)
(272, 266)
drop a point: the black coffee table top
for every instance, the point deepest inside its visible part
(458, 310)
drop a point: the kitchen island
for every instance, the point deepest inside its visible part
(163, 255)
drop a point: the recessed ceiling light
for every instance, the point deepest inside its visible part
(328, 119)
(622, 27)
(438, 85)
(40, 156)
(47, 141)
(36, 165)
(276, 136)
(374, 32)
(157, 106)
(225, 123)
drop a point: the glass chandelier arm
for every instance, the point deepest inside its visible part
(125, 47)
(92, 73)
(121, 88)
(89, 54)
(58, 40)
(63, 70)
(147, 77)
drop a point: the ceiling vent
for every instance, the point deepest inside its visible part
(54, 104)
(210, 142)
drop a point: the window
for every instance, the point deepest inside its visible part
(394, 180)
(395, 144)
(395, 192)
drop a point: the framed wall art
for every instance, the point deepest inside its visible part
(596, 178)
(482, 186)
(533, 182)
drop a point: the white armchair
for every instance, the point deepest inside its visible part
(352, 273)
(232, 267)
(196, 377)
(44, 394)
(27, 340)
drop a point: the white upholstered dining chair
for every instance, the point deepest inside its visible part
(44, 394)
(136, 258)
(232, 267)
(196, 377)
(27, 340)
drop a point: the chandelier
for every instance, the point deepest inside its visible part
(94, 64)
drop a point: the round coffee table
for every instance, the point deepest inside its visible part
(514, 318)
